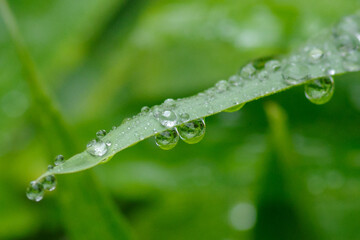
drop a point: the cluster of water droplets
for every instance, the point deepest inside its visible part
(36, 189)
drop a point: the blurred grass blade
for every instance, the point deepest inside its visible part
(279, 201)
(332, 52)
(96, 216)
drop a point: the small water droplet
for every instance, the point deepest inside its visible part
(192, 132)
(59, 159)
(113, 128)
(260, 63)
(293, 73)
(316, 54)
(108, 143)
(272, 65)
(126, 120)
(35, 191)
(49, 182)
(331, 71)
(96, 148)
(222, 86)
(170, 103)
(235, 108)
(248, 71)
(320, 90)
(235, 80)
(346, 43)
(168, 139)
(184, 117)
(101, 133)
(167, 118)
(50, 167)
(263, 75)
(145, 109)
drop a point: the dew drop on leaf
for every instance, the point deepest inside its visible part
(168, 139)
(192, 132)
(222, 86)
(96, 148)
(248, 71)
(49, 182)
(145, 109)
(320, 90)
(59, 159)
(35, 191)
(184, 117)
(170, 103)
(316, 54)
(167, 118)
(272, 65)
(101, 133)
(235, 108)
(293, 73)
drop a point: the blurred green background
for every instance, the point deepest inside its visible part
(102, 60)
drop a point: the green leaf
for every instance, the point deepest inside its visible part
(332, 52)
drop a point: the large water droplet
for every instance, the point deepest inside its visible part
(192, 132)
(293, 73)
(59, 159)
(320, 90)
(49, 182)
(235, 108)
(96, 148)
(35, 191)
(167, 118)
(168, 139)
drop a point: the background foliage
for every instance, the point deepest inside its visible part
(104, 60)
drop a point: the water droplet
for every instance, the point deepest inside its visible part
(263, 75)
(316, 54)
(184, 117)
(59, 159)
(247, 71)
(272, 65)
(346, 43)
(293, 73)
(35, 191)
(222, 86)
(96, 148)
(50, 167)
(235, 80)
(331, 71)
(170, 103)
(235, 108)
(101, 133)
(168, 139)
(260, 63)
(145, 109)
(126, 120)
(108, 143)
(49, 182)
(320, 90)
(167, 118)
(192, 132)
